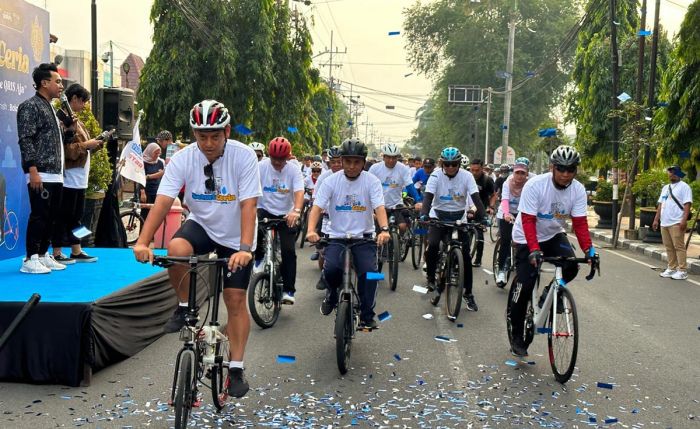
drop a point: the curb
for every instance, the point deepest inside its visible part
(654, 251)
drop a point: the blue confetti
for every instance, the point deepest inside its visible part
(511, 362)
(592, 420)
(394, 33)
(604, 385)
(242, 129)
(544, 330)
(644, 33)
(384, 316)
(611, 420)
(396, 356)
(635, 410)
(504, 127)
(286, 359)
(624, 97)
(442, 338)
(461, 325)
(375, 276)
(292, 129)
(547, 132)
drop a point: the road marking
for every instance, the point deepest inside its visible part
(459, 376)
(487, 271)
(644, 263)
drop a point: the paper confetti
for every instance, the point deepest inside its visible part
(384, 316)
(397, 357)
(511, 362)
(242, 129)
(394, 33)
(375, 276)
(286, 359)
(604, 385)
(420, 289)
(428, 316)
(624, 97)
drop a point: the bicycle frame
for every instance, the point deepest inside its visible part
(271, 262)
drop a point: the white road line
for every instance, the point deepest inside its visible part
(645, 264)
(487, 271)
(459, 375)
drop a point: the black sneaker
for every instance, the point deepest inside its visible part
(435, 300)
(327, 307)
(471, 303)
(476, 264)
(238, 386)
(176, 321)
(314, 256)
(518, 348)
(369, 324)
(63, 259)
(430, 285)
(321, 284)
(83, 257)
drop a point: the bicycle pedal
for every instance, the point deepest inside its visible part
(367, 329)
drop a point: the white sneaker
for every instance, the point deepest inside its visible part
(288, 298)
(501, 277)
(668, 273)
(33, 266)
(50, 263)
(679, 275)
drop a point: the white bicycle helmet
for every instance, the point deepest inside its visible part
(209, 115)
(565, 155)
(257, 146)
(316, 164)
(465, 161)
(390, 149)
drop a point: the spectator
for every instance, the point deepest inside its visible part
(41, 148)
(166, 144)
(75, 181)
(672, 212)
(155, 168)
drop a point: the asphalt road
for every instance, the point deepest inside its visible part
(638, 332)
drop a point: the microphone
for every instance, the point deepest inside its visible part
(66, 106)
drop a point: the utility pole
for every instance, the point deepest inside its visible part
(93, 82)
(488, 117)
(651, 96)
(331, 85)
(614, 104)
(639, 99)
(111, 65)
(509, 83)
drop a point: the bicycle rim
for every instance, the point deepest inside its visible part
(394, 261)
(132, 226)
(454, 279)
(262, 303)
(406, 240)
(495, 267)
(184, 390)
(563, 338)
(493, 230)
(343, 336)
(219, 383)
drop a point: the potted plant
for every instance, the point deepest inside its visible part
(602, 204)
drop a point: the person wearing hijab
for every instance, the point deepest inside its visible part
(154, 168)
(507, 211)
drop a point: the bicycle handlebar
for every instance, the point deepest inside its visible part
(271, 222)
(168, 261)
(595, 263)
(451, 224)
(347, 242)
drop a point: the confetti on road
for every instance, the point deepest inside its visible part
(286, 359)
(602, 385)
(420, 289)
(384, 316)
(428, 316)
(511, 362)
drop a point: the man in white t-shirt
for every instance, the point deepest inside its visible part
(222, 185)
(546, 202)
(350, 197)
(672, 213)
(282, 197)
(447, 198)
(334, 165)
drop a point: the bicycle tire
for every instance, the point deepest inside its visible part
(454, 282)
(183, 390)
(262, 301)
(417, 251)
(394, 261)
(559, 340)
(473, 238)
(405, 240)
(343, 336)
(528, 326)
(133, 224)
(219, 383)
(494, 229)
(302, 228)
(495, 267)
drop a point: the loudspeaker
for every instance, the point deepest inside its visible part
(115, 109)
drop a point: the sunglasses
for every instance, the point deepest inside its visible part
(315, 170)
(210, 184)
(450, 164)
(566, 168)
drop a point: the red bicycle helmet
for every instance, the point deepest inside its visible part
(279, 147)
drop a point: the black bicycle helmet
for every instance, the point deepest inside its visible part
(353, 147)
(565, 155)
(334, 152)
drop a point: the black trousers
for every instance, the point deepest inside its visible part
(71, 214)
(506, 231)
(435, 235)
(287, 236)
(479, 245)
(45, 209)
(526, 276)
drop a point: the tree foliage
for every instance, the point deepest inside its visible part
(464, 42)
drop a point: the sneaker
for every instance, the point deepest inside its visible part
(369, 324)
(63, 259)
(501, 279)
(237, 386)
(50, 263)
(518, 349)
(476, 264)
(435, 300)
(327, 306)
(288, 298)
(314, 256)
(668, 273)
(425, 267)
(679, 275)
(430, 285)
(471, 303)
(83, 257)
(33, 266)
(321, 283)
(176, 321)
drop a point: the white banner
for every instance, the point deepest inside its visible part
(131, 159)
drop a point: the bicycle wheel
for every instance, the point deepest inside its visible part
(302, 228)
(417, 251)
(343, 335)
(133, 224)
(219, 383)
(184, 389)
(394, 260)
(495, 267)
(262, 302)
(563, 338)
(405, 241)
(454, 279)
(493, 229)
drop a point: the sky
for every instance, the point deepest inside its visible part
(375, 61)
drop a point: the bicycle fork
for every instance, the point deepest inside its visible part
(550, 303)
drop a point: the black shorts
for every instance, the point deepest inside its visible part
(202, 245)
(400, 215)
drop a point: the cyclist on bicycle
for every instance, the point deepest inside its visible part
(350, 199)
(282, 197)
(259, 149)
(546, 201)
(394, 178)
(222, 185)
(508, 211)
(334, 166)
(420, 179)
(445, 199)
(464, 162)
(312, 179)
(485, 184)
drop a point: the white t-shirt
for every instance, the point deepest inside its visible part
(350, 203)
(450, 194)
(513, 201)
(278, 187)
(393, 181)
(77, 178)
(671, 214)
(552, 206)
(306, 171)
(412, 171)
(237, 178)
(324, 222)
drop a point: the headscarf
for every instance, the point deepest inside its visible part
(515, 189)
(150, 154)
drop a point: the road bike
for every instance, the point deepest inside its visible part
(265, 287)
(205, 352)
(418, 236)
(554, 313)
(493, 225)
(390, 253)
(450, 270)
(508, 267)
(132, 219)
(347, 314)
(304, 217)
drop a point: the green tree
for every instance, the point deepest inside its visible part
(464, 42)
(678, 124)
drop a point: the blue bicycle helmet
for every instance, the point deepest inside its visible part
(451, 154)
(523, 160)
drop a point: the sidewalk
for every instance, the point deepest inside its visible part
(654, 250)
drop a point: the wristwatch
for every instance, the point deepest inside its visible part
(245, 248)
(297, 210)
(384, 229)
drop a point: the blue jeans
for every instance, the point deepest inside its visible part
(364, 257)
